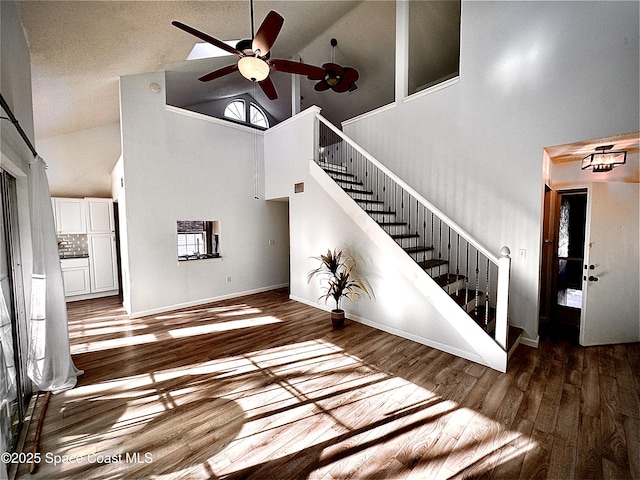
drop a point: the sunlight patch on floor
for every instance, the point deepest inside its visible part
(223, 326)
(101, 345)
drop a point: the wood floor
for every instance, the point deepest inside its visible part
(262, 387)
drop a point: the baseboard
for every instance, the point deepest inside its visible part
(530, 342)
(399, 333)
(203, 301)
(89, 296)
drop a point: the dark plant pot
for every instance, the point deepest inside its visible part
(337, 318)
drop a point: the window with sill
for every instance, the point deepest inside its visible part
(250, 113)
(434, 43)
(198, 239)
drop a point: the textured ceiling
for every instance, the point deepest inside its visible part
(79, 49)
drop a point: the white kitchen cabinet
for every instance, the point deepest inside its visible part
(103, 262)
(70, 215)
(99, 215)
(75, 275)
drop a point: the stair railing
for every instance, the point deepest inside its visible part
(478, 279)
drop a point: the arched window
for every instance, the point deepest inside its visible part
(257, 116)
(237, 110)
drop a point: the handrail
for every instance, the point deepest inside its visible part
(459, 230)
(412, 221)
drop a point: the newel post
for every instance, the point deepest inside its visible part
(502, 297)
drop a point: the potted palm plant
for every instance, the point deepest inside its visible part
(336, 272)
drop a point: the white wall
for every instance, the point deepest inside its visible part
(533, 74)
(180, 165)
(80, 162)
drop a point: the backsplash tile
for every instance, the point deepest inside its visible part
(73, 245)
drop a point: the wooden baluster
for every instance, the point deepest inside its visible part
(457, 263)
(424, 232)
(432, 230)
(439, 245)
(466, 279)
(449, 256)
(477, 278)
(487, 298)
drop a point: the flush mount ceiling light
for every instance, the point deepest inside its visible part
(604, 159)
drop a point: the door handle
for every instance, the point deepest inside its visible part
(592, 278)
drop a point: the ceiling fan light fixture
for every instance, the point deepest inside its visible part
(253, 68)
(332, 79)
(603, 159)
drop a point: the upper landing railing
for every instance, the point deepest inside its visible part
(434, 241)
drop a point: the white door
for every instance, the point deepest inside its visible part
(76, 281)
(99, 215)
(611, 285)
(70, 215)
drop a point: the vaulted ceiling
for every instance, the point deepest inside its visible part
(79, 49)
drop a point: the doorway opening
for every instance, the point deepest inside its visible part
(564, 256)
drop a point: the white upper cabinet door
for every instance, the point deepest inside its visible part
(70, 215)
(99, 215)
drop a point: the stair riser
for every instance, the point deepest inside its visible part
(372, 206)
(436, 271)
(383, 216)
(340, 177)
(332, 167)
(451, 288)
(421, 256)
(361, 196)
(471, 305)
(407, 242)
(352, 186)
(396, 230)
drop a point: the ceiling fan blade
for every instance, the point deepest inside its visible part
(207, 38)
(298, 68)
(219, 73)
(350, 75)
(321, 86)
(267, 33)
(341, 87)
(268, 88)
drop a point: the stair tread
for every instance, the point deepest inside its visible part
(379, 212)
(434, 262)
(355, 190)
(332, 173)
(391, 224)
(399, 236)
(348, 182)
(418, 249)
(368, 200)
(478, 315)
(460, 296)
(447, 279)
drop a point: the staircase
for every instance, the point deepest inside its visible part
(474, 278)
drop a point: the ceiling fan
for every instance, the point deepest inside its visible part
(254, 62)
(337, 78)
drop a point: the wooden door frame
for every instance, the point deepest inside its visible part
(549, 255)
